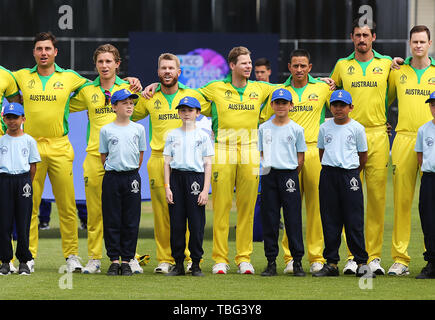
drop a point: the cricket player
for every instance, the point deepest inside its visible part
(310, 98)
(262, 69)
(411, 85)
(163, 117)
(235, 109)
(364, 74)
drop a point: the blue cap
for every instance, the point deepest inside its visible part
(341, 95)
(283, 94)
(189, 102)
(122, 95)
(14, 108)
(431, 97)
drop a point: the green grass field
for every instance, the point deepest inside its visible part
(48, 284)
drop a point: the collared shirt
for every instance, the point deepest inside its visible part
(310, 103)
(46, 100)
(412, 87)
(123, 145)
(368, 84)
(281, 144)
(426, 143)
(342, 143)
(16, 154)
(91, 97)
(235, 112)
(188, 149)
(163, 117)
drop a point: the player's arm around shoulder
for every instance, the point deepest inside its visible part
(140, 109)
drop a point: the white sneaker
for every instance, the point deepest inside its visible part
(73, 264)
(350, 267)
(316, 267)
(375, 267)
(31, 265)
(398, 269)
(93, 266)
(246, 268)
(289, 267)
(220, 268)
(189, 267)
(163, 267)
(135, 267)
(12, 267)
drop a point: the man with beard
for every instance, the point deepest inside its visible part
(163, 117)
(364, 74)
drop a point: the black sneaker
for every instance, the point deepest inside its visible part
(196, 270)
(114, 269)
(23, 269)
(364, 271)
(327, 271)
(5, 269)
(270, 270)
(428, 272)
(126, 269)
(44, 226)
(178, 270)
(298, 271)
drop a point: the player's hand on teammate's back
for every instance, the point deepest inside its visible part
(397, 62)
(149, 90)
(135, 85)
(330, 83)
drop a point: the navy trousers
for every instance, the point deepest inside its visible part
(342, 204)
(280, 188)
(16, 205)
(121, 206)
(426, 208)
(185, 187)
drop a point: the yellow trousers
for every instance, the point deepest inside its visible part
(93, 173)
(155, 167)
(57, 157)
(405, 172)
(309, 186)
(237, 168)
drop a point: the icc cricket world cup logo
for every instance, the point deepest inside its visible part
(27, 189)
(354, 184)
(290, 184)
(195, 188)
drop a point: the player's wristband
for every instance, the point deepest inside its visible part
(166, 185)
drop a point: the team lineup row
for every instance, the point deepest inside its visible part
(365, 74)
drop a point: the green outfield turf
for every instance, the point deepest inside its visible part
(48, 283)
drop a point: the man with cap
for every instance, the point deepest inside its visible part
(282, 147)
(342, 147)
(18, 158)
(188, 151)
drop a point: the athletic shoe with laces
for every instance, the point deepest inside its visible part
(93, 266)
(23, 269)
(189, 267)
(5, 269)
(125, 269)
(196, 270)
(135, 267)
(114, 269)
(220, 268)
(289, 267)
(298, 271)
(398, 269)
(375, 266)
(365, 271)
(350, 267)
(428, 272)
(245, 268)
(31, 265)
(163, 267)
(73, 264)
(177, 270)
(316, 267)
(327, 271)
(270, 270)
(12, 267)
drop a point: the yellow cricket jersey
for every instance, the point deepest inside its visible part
(8, 89)
(412, 87)
(46, 100)
(235, 112)
(163, 115)
(310, 103)
(91, 97)
(367, 83)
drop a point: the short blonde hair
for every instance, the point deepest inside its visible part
(169, 56)
(107, 48)
(236, 52)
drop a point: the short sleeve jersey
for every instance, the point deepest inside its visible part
(8, 86)
(16, 154)
(425, 143)
(412, 87)
(46, 100)
(368, 84)
(91, 97)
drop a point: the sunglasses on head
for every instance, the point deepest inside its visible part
(107, 97)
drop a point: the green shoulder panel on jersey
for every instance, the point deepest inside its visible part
(214, 120)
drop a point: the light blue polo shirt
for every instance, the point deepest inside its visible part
(426, 143)
(123, 145)
(281, 144)
(188, 149)
(16, 154)
(342, 143)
